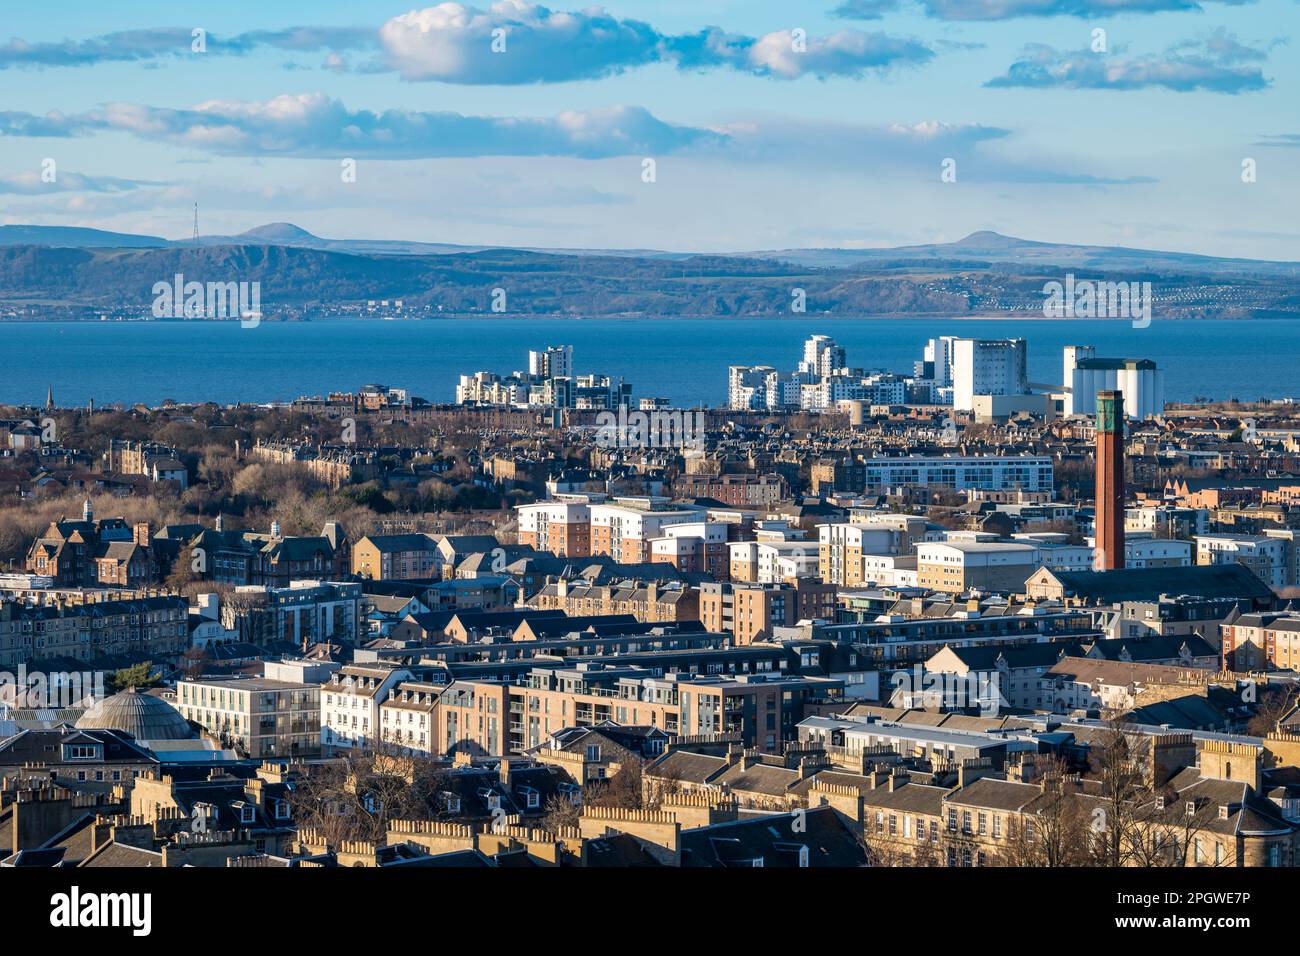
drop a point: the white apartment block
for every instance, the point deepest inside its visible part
(821, 356)
(890, 570)
(956, 566)
(841, 548)
(987, 367)
(1268, 557)
(406, 717)
(961, 473)
(755, 387)
(624, 532)
(349, 705)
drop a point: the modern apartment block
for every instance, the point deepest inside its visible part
(562, 526)
(259, 716)
(304, 613)
(1268, 557)
(625, 529)
(497, 718)
(752, 611)
(841, 548)
(693, 546)
(771, 562)
(957, 566)
(1255, 642)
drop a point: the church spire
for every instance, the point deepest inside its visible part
(49, 399)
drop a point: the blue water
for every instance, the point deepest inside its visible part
(684, 360)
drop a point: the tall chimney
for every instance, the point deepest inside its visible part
(1109, 529)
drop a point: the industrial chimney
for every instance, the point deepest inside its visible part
(1109, 527)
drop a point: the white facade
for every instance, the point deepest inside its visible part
(1030, 473)
(349, 704)
(821, 356)
(555, 362)
(753, 387)
(987, 367)
(1085, 375)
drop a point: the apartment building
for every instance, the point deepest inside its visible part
(771, 562)
(396, 557)
(624, 530)
(406, 718)
(562, 527)
(957, 566)
(1028, 473)
(1256, 642)
(261, 717)
(646, 601)
(1268, 557)
(841, 547)
(737, 491)
(751, 611)
(762, 708)
(693, 546)
(304, 613)
(350, 702)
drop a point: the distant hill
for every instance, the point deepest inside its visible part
(72, 237)
(992, 247)
(287, 234)
(978, 250)
(81, 273)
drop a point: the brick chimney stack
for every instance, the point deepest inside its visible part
(1109, 530)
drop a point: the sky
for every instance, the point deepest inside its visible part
(688, 126)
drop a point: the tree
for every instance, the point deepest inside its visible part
(623, 790)
(561, 813)
(1055, 829)
(139, 676)
(356, 796)
(1274, 704)
(1119, 764)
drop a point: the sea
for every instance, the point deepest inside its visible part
(683, 360)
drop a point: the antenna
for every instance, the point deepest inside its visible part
(196, 224)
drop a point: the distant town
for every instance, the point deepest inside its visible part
(856, 617)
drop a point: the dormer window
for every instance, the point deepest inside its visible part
(247, 814)
(452, 802)
(82, 752)
(282, 809)
(531, 797)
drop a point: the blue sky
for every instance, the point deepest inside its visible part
(762, 136)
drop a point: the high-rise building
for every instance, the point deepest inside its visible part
(987, 367)
(555, 362)
(753, 387)
(1110, 481)
(821, 356)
